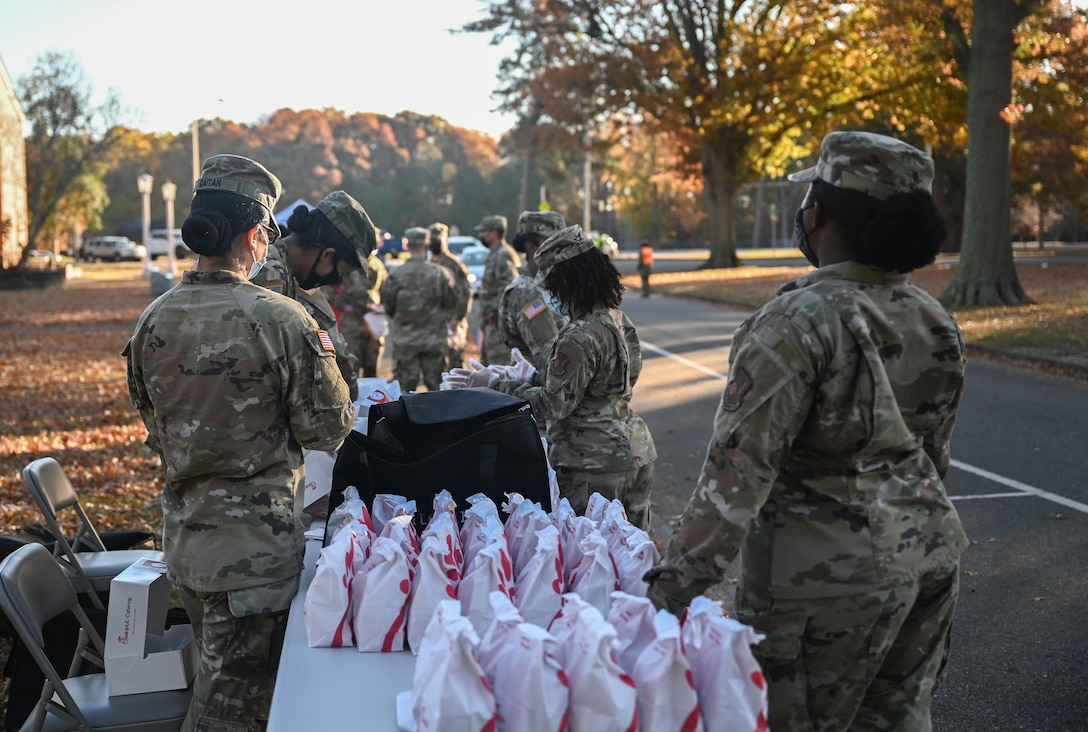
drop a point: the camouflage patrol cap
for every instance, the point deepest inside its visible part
(540, 222)
(561, 246)
(876, 165)
(440, 230)
(493, 222)
(417, 235)
(236, 174)
(352, 221)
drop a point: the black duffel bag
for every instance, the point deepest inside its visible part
(465, 441)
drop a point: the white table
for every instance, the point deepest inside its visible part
(334, 688)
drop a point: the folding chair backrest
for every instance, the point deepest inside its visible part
(54, 494)
(33, 590)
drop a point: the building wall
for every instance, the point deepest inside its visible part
(13, 200)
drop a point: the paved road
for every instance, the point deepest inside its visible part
(1020, 643)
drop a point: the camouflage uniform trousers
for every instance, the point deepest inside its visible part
(495, 349)
(858, 662)
(367, 350)
(632, 487)
(239, 656)
(411, 361)
(455, 355)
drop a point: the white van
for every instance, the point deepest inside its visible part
(158, 241)
(111, 249)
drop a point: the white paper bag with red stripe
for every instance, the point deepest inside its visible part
(633, 619)
(595, 579)
(531, 690)
(380, 598)
(327, 607)
(730, 684)
(401, 530)
(667, 701)
(449, 689)
(437, 576)
(602, 696)
(490, 571)
(480, 526)
(540, 584)
(525, 520)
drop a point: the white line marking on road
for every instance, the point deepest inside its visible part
(1017, 494)
(687, 362)
(1023, 489)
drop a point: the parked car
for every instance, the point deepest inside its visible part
(474, 257)
(44, 259)
(112, 249)
(158, 242)
(458, 243)
(390, 245)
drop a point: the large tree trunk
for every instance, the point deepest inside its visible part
(720, 192)
(986, 276)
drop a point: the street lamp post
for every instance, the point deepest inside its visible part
(143, 184)
(169, 192)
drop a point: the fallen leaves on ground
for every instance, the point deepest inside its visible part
(65, 397)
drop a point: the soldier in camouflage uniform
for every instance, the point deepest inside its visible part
(420, 298)
(322, 246)
(458, 326)
(525, 320)
(232, 382)
(830, 445)
(500, 269)
(595, 441)
(361, 316)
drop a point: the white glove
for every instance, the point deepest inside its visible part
(522, 370)
(475, 376)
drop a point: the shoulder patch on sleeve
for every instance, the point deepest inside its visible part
(533, 309)
(320, 342)
(736, 389)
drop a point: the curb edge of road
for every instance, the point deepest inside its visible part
(1053, 366)
(1050, 365)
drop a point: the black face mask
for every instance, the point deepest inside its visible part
(313, 279)
(800, 237)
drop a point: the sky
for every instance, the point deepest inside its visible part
(172, 63)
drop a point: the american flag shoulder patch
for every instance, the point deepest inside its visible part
(533, 309)
(326, 341)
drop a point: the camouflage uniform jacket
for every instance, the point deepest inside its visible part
(358, 294)
(419, 298)
(232, 381)
(459, 272)
(526, 322)
(830, 443)
(276, 276)
(500, 269)
(584, 395)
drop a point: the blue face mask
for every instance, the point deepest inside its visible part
(558, 306)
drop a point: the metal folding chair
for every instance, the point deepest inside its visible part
(89, 566)
(35, 589)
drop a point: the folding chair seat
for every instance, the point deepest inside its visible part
(85, 559)
(35, 589)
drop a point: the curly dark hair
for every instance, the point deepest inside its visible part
(586, 281)
(899, 234)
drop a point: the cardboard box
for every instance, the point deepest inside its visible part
(140, 655)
